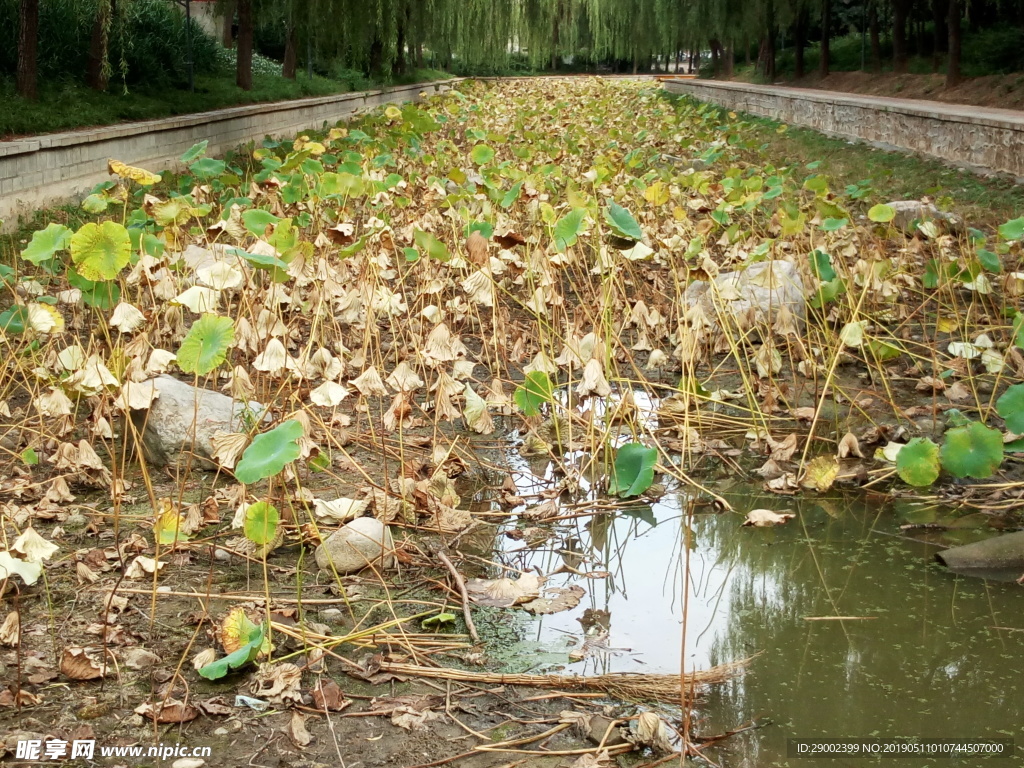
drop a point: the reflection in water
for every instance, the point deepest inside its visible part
(935, 655)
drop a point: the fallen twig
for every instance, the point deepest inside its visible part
(461, 584)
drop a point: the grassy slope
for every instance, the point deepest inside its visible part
(985, 201)
(66, 106)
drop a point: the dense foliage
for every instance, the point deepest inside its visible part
(145, 39)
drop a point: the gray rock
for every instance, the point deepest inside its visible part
(909, 213)
(332, 615)
(929, 426)
(183, 420)
(999, 552)
(756, 293)
(140, 658)
(364, 541)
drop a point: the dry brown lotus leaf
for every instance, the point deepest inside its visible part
(762, 518)
(510, 239)
(820, 473)
(296, 730)
(78, 663)
(138, 175)
(770, 470)
(650, 731)
(805, 413)
(168, 711)
(235, 630)
(476, 248)
(215, 706)
(413, 720)
(85, 573)
(341, 234)
(10, 630)
(278, 684)
(505, 592)
(204, 657)
(20, 699)
(228, 446)
(958, 393)
(930, 384)
(594, 760)
(414, 702)
(783, 450)
(849, 446)
(327, 695)
(142, 567)
(556, 600)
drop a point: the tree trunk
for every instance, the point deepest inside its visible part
(376, 58)
(243, 73)
(826, 31)
(97, 67)
(419, 55)
(554, 38)
(766, 56)
(288, 66)
(940, 34)
(953, 65)
(899, 36)
(400, 50)
(27, 78)
(227, 37)
(730, 60)
(800, 42)
(716, 56)
(876, 43)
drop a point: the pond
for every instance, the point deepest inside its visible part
(928, 653)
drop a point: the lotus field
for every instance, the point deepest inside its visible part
(615, 287)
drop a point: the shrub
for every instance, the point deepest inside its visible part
(147, 45)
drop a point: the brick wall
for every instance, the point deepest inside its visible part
(978, 138)
(44, 170)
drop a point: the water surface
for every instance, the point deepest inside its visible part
(935, 654)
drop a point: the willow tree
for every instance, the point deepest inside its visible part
(27, 73)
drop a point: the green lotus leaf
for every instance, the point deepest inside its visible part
(46, 242)
(206, 344)
(534, 392)
(482, 154)
(972, 451)
(568, 228)
(100, 251)
(633, 472)
(1011, 407)
(882, 213)
(270, 452)
(917, 463)
(261, 522)
(215, 670)
(622, 222)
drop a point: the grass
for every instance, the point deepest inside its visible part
(985, 200)
(66, 106)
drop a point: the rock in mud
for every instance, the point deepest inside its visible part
(998, 553)
(354, 546)
(757, 293)
(183, 420)
(910, 212)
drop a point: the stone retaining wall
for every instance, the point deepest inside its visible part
(975, 137)
(42, 170)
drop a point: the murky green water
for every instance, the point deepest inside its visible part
(940, 656)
